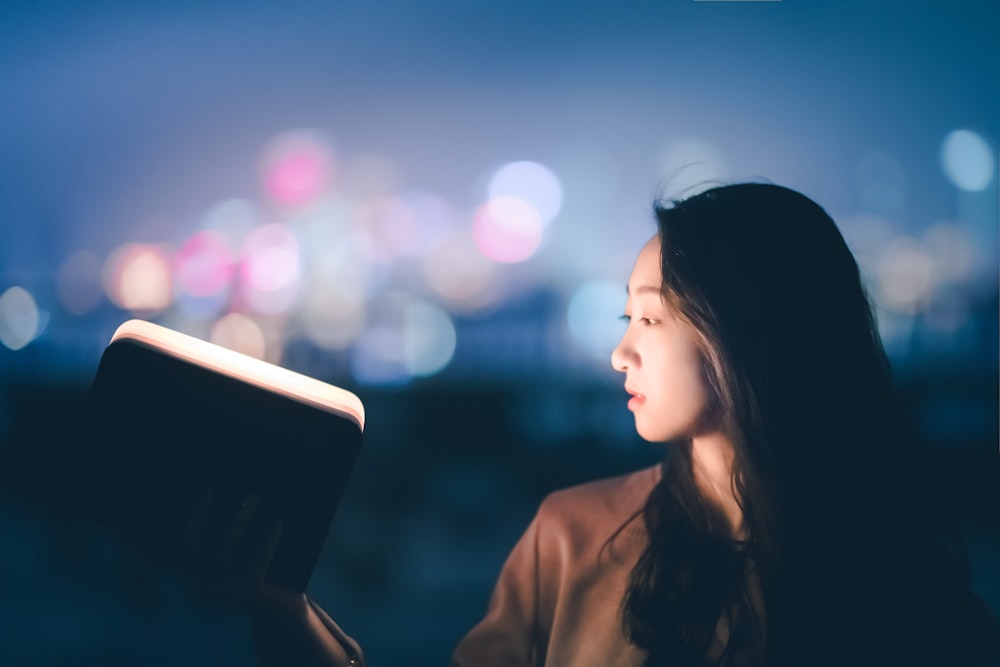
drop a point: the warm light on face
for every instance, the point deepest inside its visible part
(661, 360)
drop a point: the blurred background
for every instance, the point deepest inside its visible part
(437, 205)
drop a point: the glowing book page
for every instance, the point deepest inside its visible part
(171, 416)
(248, 369)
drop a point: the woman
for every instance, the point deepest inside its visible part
(788, 524)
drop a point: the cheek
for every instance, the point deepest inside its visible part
(681, 400)
(682, 371)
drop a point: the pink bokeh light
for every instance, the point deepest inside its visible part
(507, 229)
(204, 264)
(298, 167)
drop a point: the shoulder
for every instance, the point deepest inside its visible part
(613, 494)
(601, 506)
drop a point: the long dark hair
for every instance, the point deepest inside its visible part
(848, 562)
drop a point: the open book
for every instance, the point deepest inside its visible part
(172, 416)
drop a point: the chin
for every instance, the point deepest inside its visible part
(656, 435)
(663, 433)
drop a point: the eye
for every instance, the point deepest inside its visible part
(642, 320)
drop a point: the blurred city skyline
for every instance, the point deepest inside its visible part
(328, 172)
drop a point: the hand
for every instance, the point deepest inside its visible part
(232, 565)
(230, 555)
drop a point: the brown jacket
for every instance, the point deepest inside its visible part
(555, 604)
(557, 601)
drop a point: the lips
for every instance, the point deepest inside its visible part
(637, 398)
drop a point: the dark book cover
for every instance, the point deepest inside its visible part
(171, 417)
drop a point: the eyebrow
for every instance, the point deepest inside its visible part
(643, 289)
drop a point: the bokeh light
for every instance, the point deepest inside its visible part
(434, 217)
(385, 228)
(204, 267)
(947, 311)
(298, 167)
(371, 175)
(405, 337)
(460, 274)
(204, 264)
(234, 219)
(967, 160)
(507, 229)
(867, 236)
(78, 282)
(270, 269)
(594, 317)
(377, 360)
(137, 277)
(19, 318)
(952, 251)
(905, 275)
(429, 340)
(325, 232)
(530, 182)
(880, 182)
(330, 317)
(240, 333)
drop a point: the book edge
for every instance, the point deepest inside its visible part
(245, 368)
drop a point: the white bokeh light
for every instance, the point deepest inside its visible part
(429, 339)
(405, 337)
(530, 182)
(19, 318)
(508, 230)
(967, 160)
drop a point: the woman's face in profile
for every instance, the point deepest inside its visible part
(661, 362)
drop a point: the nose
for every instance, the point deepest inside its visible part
(623, 355)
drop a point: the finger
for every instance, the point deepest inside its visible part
(235, 532)
(262, 553)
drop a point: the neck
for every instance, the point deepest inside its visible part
(712, 457)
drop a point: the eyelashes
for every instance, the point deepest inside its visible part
(642, 320)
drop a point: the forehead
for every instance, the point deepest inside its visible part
(646, 272)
